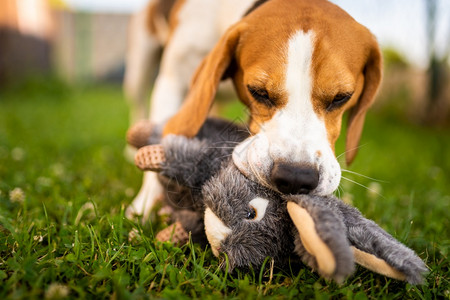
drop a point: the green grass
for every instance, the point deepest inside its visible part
(63, 231)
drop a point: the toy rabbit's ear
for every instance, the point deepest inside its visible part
(375, 264)
(311, 240)
(150, 158)
(378, 251)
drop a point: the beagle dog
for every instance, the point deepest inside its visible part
(297, 65)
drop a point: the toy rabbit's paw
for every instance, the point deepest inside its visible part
(409, 266)
(175, 233)
(139, 134)
(344, 263)
(150, 158)
(321, 240)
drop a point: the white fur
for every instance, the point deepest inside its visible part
(295, 134)
(148, 195)
(260, 205)
(216, 231)
(142, 60)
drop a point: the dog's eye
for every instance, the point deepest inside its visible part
(339, 100)
(251, 214)
(261, 95)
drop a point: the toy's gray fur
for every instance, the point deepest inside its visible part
(199, 173)
(228, 194)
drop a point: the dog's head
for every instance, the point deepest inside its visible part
(298, 66)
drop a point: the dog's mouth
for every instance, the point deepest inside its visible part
(254, 163)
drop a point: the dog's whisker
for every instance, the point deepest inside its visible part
(358, 174)
(358, 147)
(340, 191)
(227, 155)
(228, 142)
(362, 185)
(224, 147)
(258, 177)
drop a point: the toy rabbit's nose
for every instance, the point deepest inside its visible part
(294, 179)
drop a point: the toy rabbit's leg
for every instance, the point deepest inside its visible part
(322, 235)
(174, 233)
(188, 161)
(150, 158)
(378, 251)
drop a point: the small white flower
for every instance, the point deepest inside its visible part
(88, 206)
(374, 189)
(57, 291)
(58, 169)
(133, 235)
(18, 154)
(17, 195)
(39, 238)
(44, 182)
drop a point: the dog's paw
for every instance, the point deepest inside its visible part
(151, 193)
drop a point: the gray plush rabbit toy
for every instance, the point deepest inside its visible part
(249, 222)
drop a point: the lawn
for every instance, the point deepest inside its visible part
(64, 186)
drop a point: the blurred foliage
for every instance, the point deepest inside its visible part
(393, 58)
(43, 86)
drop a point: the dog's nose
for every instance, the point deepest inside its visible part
(294, 179)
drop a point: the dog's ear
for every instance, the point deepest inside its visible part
(357, 114)
(194, 111)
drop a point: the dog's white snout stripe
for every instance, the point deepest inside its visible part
(296, 133)
(216, 231)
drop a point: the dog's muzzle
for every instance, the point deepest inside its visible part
(294, 179)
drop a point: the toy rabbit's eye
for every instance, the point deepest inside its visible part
(257, 209)
(251, 214)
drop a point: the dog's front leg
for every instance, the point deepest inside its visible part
(182, 55)
(145, 200)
